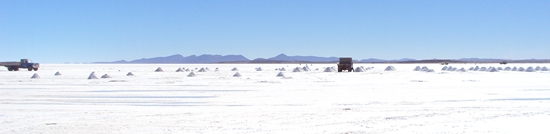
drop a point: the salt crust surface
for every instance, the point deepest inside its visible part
(374, 101)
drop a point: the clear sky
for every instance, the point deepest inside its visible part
(58, 31)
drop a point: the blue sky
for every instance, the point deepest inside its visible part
(58, 31)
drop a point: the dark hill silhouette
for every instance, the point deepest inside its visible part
(282, 58)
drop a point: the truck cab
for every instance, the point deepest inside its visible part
(26, 63)
(345, 64)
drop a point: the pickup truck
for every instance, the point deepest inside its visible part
(24, 63)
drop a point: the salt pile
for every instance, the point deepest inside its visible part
(282, 69)
(159, 70)
(451, 68)
(280, 74)
(461, 70)
(235, 69)
(191, 74)
(444, 68)
(35, 76)
(92, 76)
(483, 69)
(544, 69)
(538, 68)
(187, 70)
(259, 69)
(389, 68)
(329, 69)
(471, 69)
(57, 73)
(492, 69)
(106, 76)
(129, 74)
(202, 70)
(476, 68)
(424, 69)
(298, 69)
(507, 68)
(514, 69)
(499, 68)
(521, 69)
(237, 74)
(417, 68)
(431, 70)
(306, 68)
(530, 69)
(180, 70)
(359, 69)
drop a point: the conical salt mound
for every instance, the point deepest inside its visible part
(544, 69)
(461, 70)
(180, 70)
(306, 68)
(530, 69)
(444, 68)
(492, 69)
(328, 69)
(237, 74)
(191, 74)
(159, 70)
(514, 69)
(417, 68)
(450, 68)
(130, 74)
(431, 70)
(507, 68)
(187, 70)
(483, 69)
(280, 74)
(471, 69)
(453, 69)
(521, 69)
(282, 69)
(424, 69)
(476, 68)
(202, 70)
(234, 69)
(259, 69)
(106, 76)
(35, 76)
(359, 69)
(389, 68)
(57, 74)
(538, 68)
(92, 76)
(499, 68)
(298, 69)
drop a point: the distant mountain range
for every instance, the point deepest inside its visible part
(282, 58)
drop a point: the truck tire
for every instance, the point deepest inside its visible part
(10, 69)
(35, 69)
(16, 69)
(30, 68)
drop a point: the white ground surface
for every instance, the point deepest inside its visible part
(374, 101)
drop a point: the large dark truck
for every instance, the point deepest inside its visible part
(345, 64)
(24, 63)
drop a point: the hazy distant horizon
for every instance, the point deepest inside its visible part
(93, 31)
